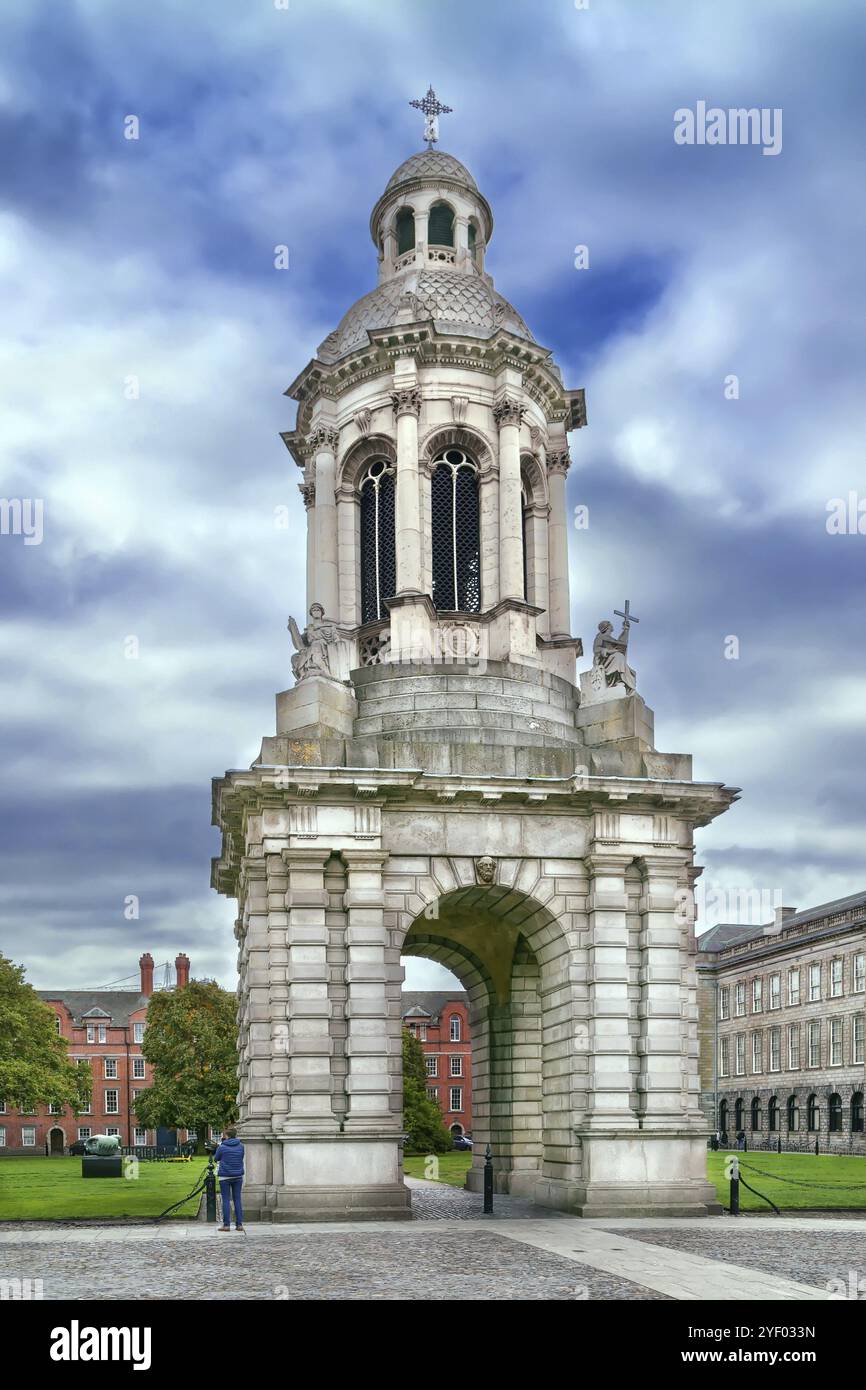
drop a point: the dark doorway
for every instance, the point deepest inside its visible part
(56, 1141)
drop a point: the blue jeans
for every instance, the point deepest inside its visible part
(230, 1191)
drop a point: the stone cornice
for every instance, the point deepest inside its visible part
(488, 356)
(240, 793)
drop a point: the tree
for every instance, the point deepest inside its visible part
(34, 1067)
(422, 1119)
(190, 1040)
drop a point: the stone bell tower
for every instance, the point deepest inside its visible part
(437, 785)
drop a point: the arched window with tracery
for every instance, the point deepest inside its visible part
(440, 225)
(793, 1113)
(756, 1113)
(455, 532)
(472, 238)
(378, 541)
(813, 1114)
(723, 1117)
(738, 1114)
(857, 1113)
(524, 525)
(773, 1114)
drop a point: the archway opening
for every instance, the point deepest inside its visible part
(517, 1075)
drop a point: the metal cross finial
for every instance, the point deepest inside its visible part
(433, 109)
(629, 617)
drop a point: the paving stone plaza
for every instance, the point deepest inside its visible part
(447, 1251)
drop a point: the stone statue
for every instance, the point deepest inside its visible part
(609, 664)
(485, 869)
(311, 656)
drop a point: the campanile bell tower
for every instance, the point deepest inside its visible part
(438, 785)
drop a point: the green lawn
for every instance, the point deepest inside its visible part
(453, 1167)
(796, 1168)
(52, 1189)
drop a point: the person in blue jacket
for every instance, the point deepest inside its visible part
(230, 1157)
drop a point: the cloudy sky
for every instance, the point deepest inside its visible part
(146, 338)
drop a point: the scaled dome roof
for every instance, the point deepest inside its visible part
(431, 164)
(458, 303)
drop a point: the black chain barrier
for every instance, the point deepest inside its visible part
(200, 1186)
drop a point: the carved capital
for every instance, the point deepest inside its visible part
(406, 401)
(323, 439)
(308, 492)
(558, 461)
(508, 411)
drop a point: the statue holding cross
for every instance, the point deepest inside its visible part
(610, 667)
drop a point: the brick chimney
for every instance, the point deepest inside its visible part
(783, 913)
(146, 966)
(181, 965)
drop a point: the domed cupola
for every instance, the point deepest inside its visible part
(431, 215)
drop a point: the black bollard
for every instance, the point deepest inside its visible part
(735, 1187)
(210, 1209)
(816, 1148)
(488, 1181)
(779, 1146)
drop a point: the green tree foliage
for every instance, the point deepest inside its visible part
(34, 1067)
(190, 1041)
(422, 1118)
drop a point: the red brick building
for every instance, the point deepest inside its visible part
(440, 1022)
(105, 1029)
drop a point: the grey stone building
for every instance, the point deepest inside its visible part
(440, 784)
(781, 1027)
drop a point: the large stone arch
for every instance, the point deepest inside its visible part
(519, 959)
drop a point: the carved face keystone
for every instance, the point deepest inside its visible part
(485, 869)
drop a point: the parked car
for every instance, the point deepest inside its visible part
(463, 1143)
(78, 1148)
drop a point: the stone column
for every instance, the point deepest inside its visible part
(407, 408)
(662, 1060)
(508, 413)
(560, 615)
(609, 1105)
(309, 1099)
(323, 441)
(308, 492)
(373, 1043)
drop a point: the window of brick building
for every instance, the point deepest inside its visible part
(813, 1057)
(741, 1054)
(432, 1065)
(456, 1098)
(836, 977)
(138, 1032)
(859, 972)
(724, 1002)
(740, 999)
(456, 1066)
(455, 1028)
(757, 1052)
(794, 986)
(757, 996)
(28, 1136)
(834, 1113)
(793, 1046)
(814, 982)
(775, 991)
(857, 1039)
(110, 1072)
(138, 1068)
(111, 1105)
(724, 1057)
